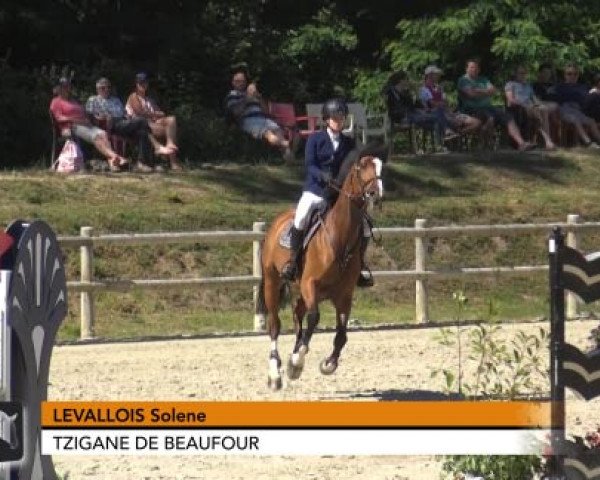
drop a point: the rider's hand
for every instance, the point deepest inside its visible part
(326, 177)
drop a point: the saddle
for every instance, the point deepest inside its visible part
(314, 222)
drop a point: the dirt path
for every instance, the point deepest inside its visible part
(376, 365)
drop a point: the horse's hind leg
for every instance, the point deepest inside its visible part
(272, 295)
(330, 364)
(296, 361)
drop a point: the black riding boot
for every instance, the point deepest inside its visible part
(290, 269)
(366, 278)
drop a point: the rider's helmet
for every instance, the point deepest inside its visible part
(334, 106)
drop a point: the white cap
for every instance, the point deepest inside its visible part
(432, 69)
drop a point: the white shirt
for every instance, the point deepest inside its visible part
(335, 138)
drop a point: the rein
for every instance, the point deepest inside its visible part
(354, 199)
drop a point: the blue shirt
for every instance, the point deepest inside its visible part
(321, 160)
(111, 106)
(239, 106)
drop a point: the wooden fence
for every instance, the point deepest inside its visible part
(87, 286)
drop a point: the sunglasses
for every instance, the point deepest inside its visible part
(571, 74)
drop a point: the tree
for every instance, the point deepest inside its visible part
(502, 33)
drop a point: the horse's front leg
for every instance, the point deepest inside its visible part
(342, 313)
(296, 360)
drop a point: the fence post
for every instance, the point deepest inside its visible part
(572, 303)
(87, 275)
(421, 308)
(260, 323)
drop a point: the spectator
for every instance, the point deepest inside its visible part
(71, 119)
(432, 97)
(244, 106)
(475, 94)
(402, 107)
(162, 126)
(571, 97)
(545, 87)
(108, 111)
(592, 100)
(521, 98)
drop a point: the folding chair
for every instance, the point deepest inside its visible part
(405, 127)
(363, 123)
(285, 115)
(315, 111)
(58, 139)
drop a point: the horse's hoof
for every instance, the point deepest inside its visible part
(294, 371)
(327, 367)
(275, 384)
(296, 363)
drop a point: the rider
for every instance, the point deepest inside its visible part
(325, 152)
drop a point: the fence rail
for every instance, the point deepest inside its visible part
(87, 286)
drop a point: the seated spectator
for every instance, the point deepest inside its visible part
(571, 97)
(520, 97)
(402, 107)
(244, 106)
(162, 126)
(592, 100)
(475, 93)
(545, 87)
(108, 111)
(433, 99)
(71, 119)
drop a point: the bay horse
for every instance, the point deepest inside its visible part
(330, 267)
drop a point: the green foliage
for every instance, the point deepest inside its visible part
(25, 131)
(296, 51)
(503, 34)
(367, 89)
(497, 467)
(504, 369)
(321, 54)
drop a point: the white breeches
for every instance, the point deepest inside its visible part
(308, 202)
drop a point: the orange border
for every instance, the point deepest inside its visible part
(131, 414)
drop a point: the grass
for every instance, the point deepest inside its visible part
(499, 187)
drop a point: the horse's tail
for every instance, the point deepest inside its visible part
(285, 295)
(284, 289)
(261, 306)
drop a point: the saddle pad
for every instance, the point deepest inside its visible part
(285, 237)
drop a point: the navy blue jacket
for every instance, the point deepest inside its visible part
(571, 93)
(322, 163)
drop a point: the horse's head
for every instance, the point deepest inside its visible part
(364, 183)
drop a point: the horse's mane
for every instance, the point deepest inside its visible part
(371, 149)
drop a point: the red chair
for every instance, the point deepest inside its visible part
(58, 139)
(285, 115)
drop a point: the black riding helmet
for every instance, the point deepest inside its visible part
(334, 106)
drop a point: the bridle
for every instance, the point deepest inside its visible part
(364, 186)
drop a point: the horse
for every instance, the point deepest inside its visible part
(330, 267)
